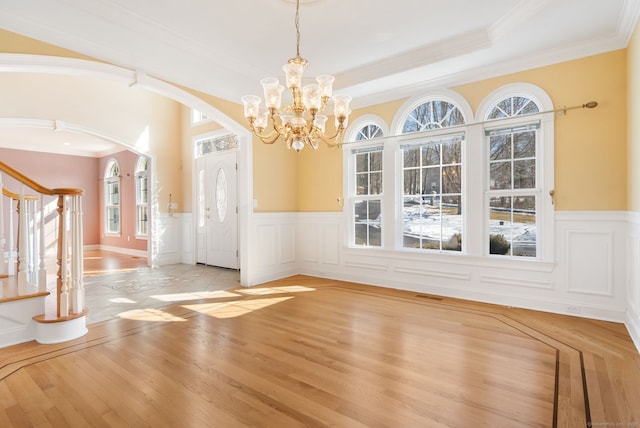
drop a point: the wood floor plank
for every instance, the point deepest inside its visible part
(315, 352)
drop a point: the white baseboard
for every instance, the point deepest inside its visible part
(633, 326)
(119, 250)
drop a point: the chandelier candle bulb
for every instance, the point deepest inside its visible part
(251, 105)
(311, 97)
(272, 92)
(320, 122)
(302, 122)
(326, 85)
(293, 73)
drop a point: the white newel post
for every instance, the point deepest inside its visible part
(23, 238)
(63, 304)
(42, 270)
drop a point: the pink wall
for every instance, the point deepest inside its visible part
(86, 173)
(52, 170)
(127, 239)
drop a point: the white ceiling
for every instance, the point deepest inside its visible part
(379, 50)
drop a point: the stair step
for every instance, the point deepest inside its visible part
(9, 290)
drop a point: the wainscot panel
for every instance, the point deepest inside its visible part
(588, 277)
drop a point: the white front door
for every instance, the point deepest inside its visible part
(217, 223)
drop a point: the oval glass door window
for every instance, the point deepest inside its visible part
(221, 195)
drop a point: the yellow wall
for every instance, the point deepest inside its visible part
(188, 133)
(274, 170)
(590, 146)
(274, 167)
(633, 105)
(320, 172)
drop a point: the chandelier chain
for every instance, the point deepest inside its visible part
(298, 28)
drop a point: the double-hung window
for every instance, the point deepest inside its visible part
(432, 178)
(365, 184)
(513, 192)
(432, 194)
(142, 197)
(367, 204)
(112, 197)
(442, 183)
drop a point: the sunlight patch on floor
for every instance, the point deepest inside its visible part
(149, 315)
(122, 300)
(196, 295)
(234, 309)
(276, 290)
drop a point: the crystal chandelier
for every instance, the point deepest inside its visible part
(301, 122)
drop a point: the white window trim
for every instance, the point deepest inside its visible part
(349, 183)
(474, 179)
(139, 172)
(213, 135)
(107, 180)
(349, 168)
(365, 120)
(544, 175)
(437, 94)
(195, 123)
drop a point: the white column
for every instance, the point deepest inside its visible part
(75, 260)
(63, 304)
(42, 271)
(33, 236)
(11, 267)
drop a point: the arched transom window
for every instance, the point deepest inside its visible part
(433, 114)
(513, 106)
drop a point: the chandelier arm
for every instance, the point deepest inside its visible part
(266, 139)
(329, 141)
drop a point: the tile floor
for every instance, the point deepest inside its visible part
(110, 294)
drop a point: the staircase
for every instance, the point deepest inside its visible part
(35, 305)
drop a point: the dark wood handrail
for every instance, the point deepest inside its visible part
(33, 184)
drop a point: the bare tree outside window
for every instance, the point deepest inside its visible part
(432, 180)
(512, 181)
(367, 202)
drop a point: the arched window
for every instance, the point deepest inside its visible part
(432, 176)
(365, 180)
(112, 197)
(519, 167)
(142, 197)
(513, 106)
(433, 114)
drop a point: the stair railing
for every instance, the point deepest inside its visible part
(26, 253)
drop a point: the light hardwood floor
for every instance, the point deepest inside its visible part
(312, 352)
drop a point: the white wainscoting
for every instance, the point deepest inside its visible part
(273, 248)
(633, 281)
(588, 277)
(188, 239)
(595, 274)
(168, 236)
